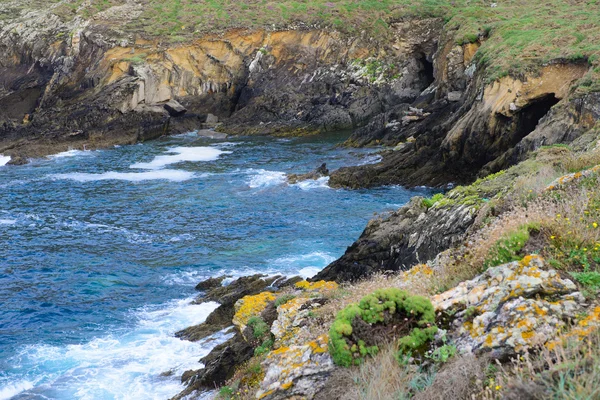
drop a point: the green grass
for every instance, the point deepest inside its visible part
(507, 248)
(516, 36)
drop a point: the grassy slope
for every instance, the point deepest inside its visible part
(520, 34)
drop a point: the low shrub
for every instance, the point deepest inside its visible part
(379, 317)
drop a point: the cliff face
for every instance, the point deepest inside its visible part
(76, 83)
(468, 127)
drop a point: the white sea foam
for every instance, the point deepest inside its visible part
(371, 159)
(13, 389)
(72, 153)
(8, 221)
(261, 178)
(193, 154)
(309, 272)
(127, 365)
(165, 174)
(321, 183)
(305, 265)
(226, 144)
(4, 160)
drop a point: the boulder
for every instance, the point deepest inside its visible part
(296, 371)
(174, 108)
(212, 119)
(510, 308)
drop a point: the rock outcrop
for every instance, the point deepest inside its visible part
(296, 371)
(510, 308)
(414, 233)
(489, 127)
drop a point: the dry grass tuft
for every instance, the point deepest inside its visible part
(570, 371)
(456, 380)
(383, 378)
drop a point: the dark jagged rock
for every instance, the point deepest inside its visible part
(226, 296)
(210, 283)
(284, 282)
(407, 236)
(219, 319)
(219, 365)
(320, 172)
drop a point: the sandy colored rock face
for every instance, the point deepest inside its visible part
(510, 308)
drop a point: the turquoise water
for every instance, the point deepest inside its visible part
(100, 252)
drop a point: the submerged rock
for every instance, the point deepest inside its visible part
(320, 172)
(510, 308)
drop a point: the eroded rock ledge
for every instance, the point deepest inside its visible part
(86, 83)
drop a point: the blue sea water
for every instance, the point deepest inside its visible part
(100, 252)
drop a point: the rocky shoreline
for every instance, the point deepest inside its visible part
(418, 93)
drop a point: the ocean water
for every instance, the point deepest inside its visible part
(100, 252)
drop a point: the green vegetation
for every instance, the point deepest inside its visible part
(430, 201)
(443, 354)
(137, 59)
(258, 326)
(264, 348)
(508, 247)
(394, 309)
(281, 300)
(515, 36)
(590, 279)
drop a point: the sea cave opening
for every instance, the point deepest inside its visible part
(529, 116)
(427, 73)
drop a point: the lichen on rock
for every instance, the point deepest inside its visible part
(510, 308)
(316, 286)
(250, 306)
(296, 371)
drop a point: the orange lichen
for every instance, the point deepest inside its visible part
(489, 341)
(249, 306)
(582, 330)
(316, 286)
(527, 335)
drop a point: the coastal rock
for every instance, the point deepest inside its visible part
(250, 306)
(289, 327)
(210, 283)
(320, 172)
(575, 176)
(510, 308)
(226, 296)
(219, 365)
(413, 233)
(296, 371)
(174, 108)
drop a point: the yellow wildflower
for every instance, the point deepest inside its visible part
(595, 225)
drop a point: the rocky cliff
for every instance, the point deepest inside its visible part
(81, 82)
